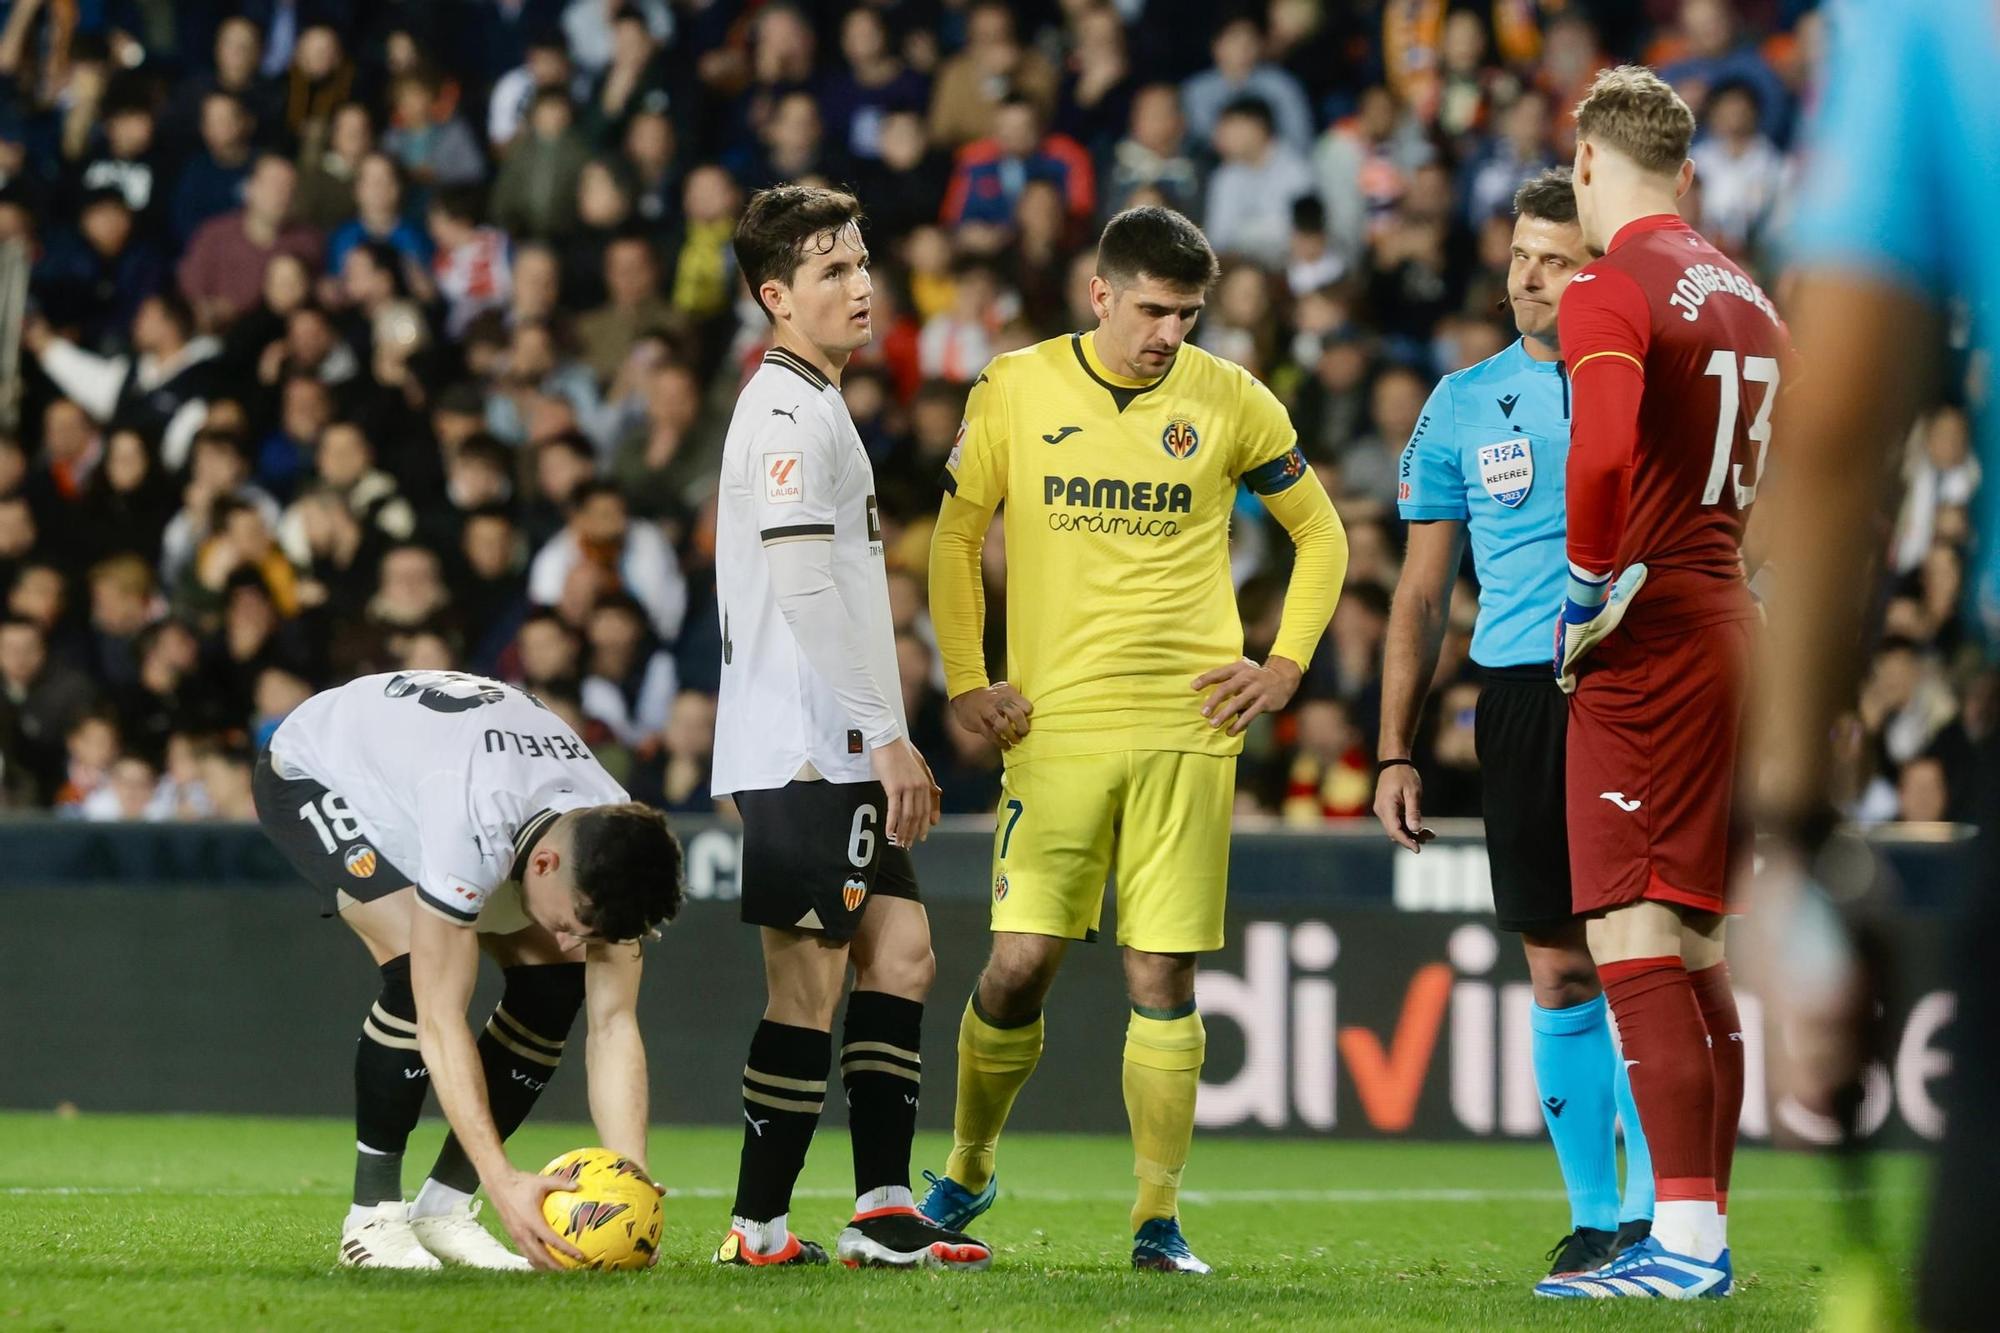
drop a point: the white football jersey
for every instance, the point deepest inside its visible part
(793, 469)
(446, 774)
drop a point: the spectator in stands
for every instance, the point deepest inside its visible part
(600, 532)
(123, 601)
(1240, 71)
(876, 82)
(162, 388)
(129, 794)
(648, 161)
(1708, 51)
(991, 172)
(93, 276)
(471, 261)
(904, 182)
(994, 62)
(91, 746)
(128, 499)
(326, 178)
(1153, 153)
(1521, 150)
(548, 655)
(218, 469)
(957, 343)
(223, 271)
(661, 461)
(1368, 465)
(534, 196)
(1740, 168)
(209, 183)
(427, 139)
(378, 216)
(628, 682)
(39, 701)
(1250, 194)
(129, 161)
(633, 307)
(488, 585)
(1363, 165)
(544, 65)
(688, 750)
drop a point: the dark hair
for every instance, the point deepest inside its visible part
(214, 437)
(780, 223)
(1548, 196)
(387, 258)
(571, 441)
(481, 447)
(626, 863)
(1155, 242)
(592, 489)
(458, 202)
(1254, 107)
(175, 309)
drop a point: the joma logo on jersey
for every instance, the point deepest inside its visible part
(1180, 438)
(1146, 497)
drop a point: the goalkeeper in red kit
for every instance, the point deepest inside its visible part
(1675, 356)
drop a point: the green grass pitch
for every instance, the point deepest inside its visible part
(133, 1222)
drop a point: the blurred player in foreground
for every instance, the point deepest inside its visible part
(1118, 453)
(1676, 358)
(444, 815)
(811, 740)
(1486, 463)
(1894, 225)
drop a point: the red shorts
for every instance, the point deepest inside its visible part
(1654, 728)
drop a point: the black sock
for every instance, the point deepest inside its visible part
(883, 1074)
(390, 1081)
(519, 1050)
(784, 1087)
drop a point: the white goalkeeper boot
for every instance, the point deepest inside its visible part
(456, 1237)
(381, 1237)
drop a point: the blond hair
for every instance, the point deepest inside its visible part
(1633, 110)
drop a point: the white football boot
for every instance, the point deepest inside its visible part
(382, 1238)
(457, 1238)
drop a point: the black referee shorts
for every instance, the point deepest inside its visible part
(1520, 729)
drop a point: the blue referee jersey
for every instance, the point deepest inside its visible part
(1490, 451)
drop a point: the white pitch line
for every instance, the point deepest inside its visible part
(1323, 1196)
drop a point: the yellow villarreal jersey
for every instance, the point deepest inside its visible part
(1117, 495)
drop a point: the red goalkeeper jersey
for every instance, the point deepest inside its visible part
(1676, 357)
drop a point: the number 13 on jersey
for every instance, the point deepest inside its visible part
(1730, 372)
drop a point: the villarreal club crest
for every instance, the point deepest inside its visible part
(1180, 439)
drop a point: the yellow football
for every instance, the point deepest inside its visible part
(607, 1208)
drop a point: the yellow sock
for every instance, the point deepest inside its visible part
(1162, 1071)
(993, 1063)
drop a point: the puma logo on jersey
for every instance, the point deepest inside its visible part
(757, 1124)
(1061, 434)
(1507, 404)
(791, 416)
(1584, 277)
(1618, 799)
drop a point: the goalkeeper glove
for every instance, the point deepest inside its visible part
(1591, 611)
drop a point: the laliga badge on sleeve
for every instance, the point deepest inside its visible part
(1507, 470)
(784, 478)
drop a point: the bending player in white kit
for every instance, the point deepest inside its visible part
(811, 740)
(443, 815)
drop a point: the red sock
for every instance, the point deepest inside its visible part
(1673, 1078)
(1717, 1001)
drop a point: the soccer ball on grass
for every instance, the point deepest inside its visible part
(608, 1208)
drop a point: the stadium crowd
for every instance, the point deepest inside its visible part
(370, 336)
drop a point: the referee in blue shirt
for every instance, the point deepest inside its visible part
(1486, 461)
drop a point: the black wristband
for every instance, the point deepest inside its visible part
(1384, 765)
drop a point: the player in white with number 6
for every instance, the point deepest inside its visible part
(811, 740)
(444, 815)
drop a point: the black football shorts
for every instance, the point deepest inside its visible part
(815, 852)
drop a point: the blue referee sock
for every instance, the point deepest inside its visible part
(1574, 1067)
(1638, 1157)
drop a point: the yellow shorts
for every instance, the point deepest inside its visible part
(1158, 819)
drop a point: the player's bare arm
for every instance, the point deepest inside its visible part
(444, 966)
(615, 1058)
(1409, 660)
